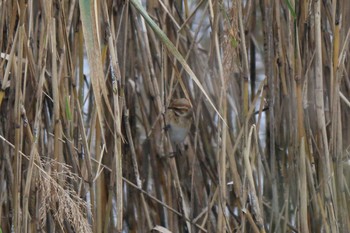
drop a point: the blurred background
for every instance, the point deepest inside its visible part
(86, 85)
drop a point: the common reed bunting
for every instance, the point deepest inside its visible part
(178, 119)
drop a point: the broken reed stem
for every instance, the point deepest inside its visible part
(137, 54)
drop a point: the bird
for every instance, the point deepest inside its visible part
(178, 120)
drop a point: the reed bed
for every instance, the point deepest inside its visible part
(85, 86)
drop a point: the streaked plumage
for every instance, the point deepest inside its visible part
(178, 120)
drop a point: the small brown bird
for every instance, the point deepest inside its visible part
(178, 119)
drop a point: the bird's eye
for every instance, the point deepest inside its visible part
(167, 127)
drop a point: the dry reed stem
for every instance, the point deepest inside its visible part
(57, 193)
(88, 83)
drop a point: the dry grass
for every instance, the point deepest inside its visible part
(84, 89)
